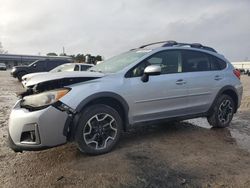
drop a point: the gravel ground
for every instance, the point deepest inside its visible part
(185, 154)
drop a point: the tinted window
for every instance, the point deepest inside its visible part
(170, 62)
(85, 67)
(216, 63)
(54, 63)
(39, 65)
(76, 68)
(195, 61)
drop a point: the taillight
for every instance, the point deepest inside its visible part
(237, 73)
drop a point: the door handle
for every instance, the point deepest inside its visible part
(217, 77)
(180, 82)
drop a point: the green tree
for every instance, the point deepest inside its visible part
(63, 54)
(51, 54)
(98, 58)
(80, 58)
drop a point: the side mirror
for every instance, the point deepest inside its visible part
(34, 65)
(150, 70)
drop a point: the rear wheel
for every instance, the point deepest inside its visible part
(98, 129)
(223, 112)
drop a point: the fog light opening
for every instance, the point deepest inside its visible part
(28, 136)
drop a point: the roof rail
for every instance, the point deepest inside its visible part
(171, 43)
(165, 42)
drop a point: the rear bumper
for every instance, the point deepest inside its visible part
(36, 130)
(239, 89)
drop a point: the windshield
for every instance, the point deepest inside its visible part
(63, 68)
(119, 62)
(33, 63)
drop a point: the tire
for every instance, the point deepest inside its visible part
(20, 75)
(222, 113)
(98, 129)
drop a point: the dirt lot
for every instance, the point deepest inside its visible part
(186, 154)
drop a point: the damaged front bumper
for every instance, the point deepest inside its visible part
(36, 130)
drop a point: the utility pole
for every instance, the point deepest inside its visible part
(63, 51)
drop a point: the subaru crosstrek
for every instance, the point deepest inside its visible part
(175, 81)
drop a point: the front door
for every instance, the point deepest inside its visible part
(164, 95)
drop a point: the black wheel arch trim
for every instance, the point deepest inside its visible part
(102, 95)
(222, 90)
(71, 123)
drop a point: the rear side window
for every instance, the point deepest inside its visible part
(40, 65)
(54, 63)
(195, 61)
(85, 67)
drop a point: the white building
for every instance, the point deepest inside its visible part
(244, 66)
(11, 60)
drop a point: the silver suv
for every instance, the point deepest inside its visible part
(175, 81)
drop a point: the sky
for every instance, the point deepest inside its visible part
(110, 27)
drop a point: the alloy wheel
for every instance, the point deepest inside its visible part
(99, 131)
(225, 111)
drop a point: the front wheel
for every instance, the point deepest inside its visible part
(223, 112)
(98, 129)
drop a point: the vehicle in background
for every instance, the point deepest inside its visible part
(61, 68)
(3, 66)
(98, 62)
(37, 66)
(242, 66)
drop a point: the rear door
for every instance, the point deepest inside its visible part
(203, 80)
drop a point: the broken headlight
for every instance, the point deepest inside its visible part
(43, 99)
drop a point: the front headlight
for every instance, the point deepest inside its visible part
(44, 99)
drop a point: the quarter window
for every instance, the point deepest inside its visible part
(217, 64)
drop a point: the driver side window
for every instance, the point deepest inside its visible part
(170, 62)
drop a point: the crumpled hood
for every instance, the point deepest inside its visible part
(38, 79)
